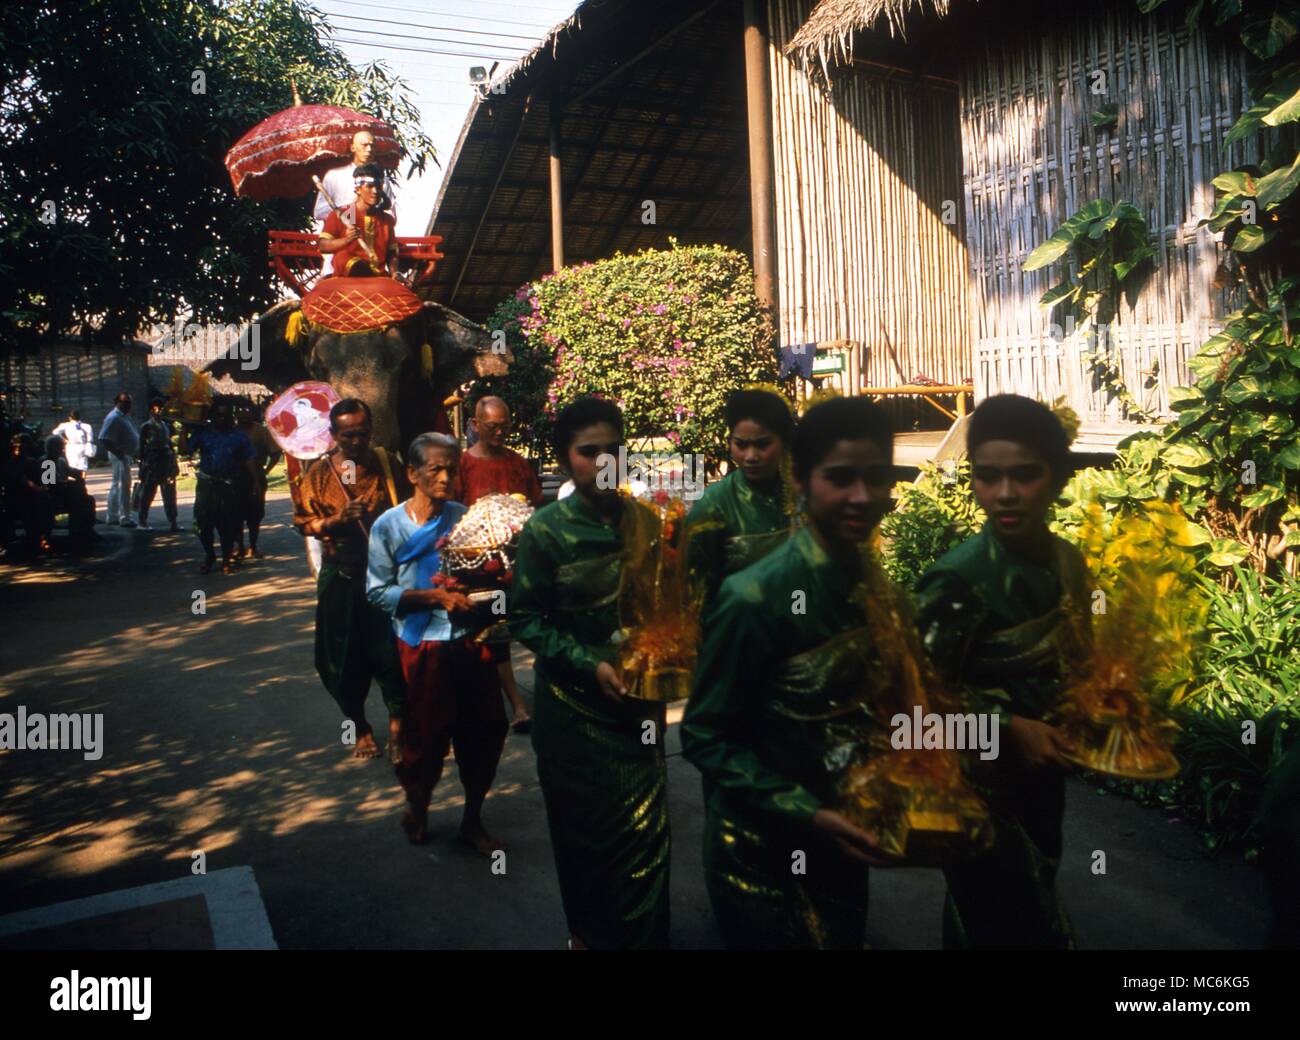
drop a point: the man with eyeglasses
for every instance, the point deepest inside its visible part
(490, 468)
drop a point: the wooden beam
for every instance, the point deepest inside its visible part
(557, 188)
(761, 185)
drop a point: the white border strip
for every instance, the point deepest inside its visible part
(235, 909)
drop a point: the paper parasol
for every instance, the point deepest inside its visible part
(278, 158)
(299, 419)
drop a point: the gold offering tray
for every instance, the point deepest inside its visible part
(660, 686)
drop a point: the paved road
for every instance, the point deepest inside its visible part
(220, 739)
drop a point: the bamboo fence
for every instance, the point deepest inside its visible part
(862, 172)
(1031, 159)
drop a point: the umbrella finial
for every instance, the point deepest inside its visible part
(297, 101)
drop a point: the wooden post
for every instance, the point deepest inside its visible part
(557, 190)
(758, 101)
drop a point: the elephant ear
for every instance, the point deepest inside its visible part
(461, 349)
(280, 363)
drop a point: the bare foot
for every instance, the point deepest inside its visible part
(415, 821)
(523, 722)
(395, 740)
(473, 836)
(366, 746)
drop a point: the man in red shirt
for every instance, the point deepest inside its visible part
(489, 468)
(368, 245)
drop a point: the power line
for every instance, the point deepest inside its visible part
(435, 28)
(442, 14)
(515, 51)
(419, 50)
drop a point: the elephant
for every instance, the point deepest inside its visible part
(384, 368)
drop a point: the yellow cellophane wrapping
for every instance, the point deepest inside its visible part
(916, 801)
(658, 610)
(1144, 629)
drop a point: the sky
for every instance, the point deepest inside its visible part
(468, 33)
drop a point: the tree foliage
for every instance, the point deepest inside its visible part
(116, 210)
(666, 334)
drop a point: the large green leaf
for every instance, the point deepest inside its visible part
(1289, 457)
(1264, 496)
(1188, 456)
(1250, 238)
(1183, 397)
(1266, 34)
(1066, 235)
(1279, 184)
(1237, 182)
(1244, 389)
(1225, 552)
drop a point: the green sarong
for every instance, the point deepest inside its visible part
(601, 765)
(782, 707)
(355, 643)
(1000, 629)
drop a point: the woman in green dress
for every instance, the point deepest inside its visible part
(783, 703)
(600, 755)
(1003, 616)
(748, 513)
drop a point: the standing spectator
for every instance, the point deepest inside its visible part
(487, 468)
(158, 465)
(252, 497)
(223, 452)
(79, 443)
(122, 440)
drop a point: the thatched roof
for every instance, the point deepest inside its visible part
(652, 98)
(827, 36)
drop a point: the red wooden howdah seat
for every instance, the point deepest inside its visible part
(295, 257)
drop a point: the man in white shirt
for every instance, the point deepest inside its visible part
(122, 440)
(78, 443)
(341, 189)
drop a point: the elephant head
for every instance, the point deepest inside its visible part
(387, 368)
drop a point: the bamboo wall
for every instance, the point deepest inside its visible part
(1031, 159)
(861, 175)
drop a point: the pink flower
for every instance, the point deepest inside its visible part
(659, 308)
(627, 324)
(674, 436)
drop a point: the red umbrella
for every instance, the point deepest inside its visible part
(279, 156)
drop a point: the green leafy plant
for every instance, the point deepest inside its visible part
(1107, 243)
(666, 334)
(1244, 713)
(932, 515)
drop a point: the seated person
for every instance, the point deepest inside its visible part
(29, 501)
(368, 246)
(68, 493)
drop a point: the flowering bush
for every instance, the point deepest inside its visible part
(665, 334)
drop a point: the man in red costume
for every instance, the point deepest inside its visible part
(490, 468)
(368, 246)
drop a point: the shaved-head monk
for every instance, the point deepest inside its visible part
(489, 468)
(341, 187)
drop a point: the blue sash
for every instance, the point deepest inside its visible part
(422, 547)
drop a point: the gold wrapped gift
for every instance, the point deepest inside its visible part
(916, 801)
(658, 611)
(1114, 729)
(1141, 641)
(918, 805)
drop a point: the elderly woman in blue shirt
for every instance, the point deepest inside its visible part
(453, 695)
